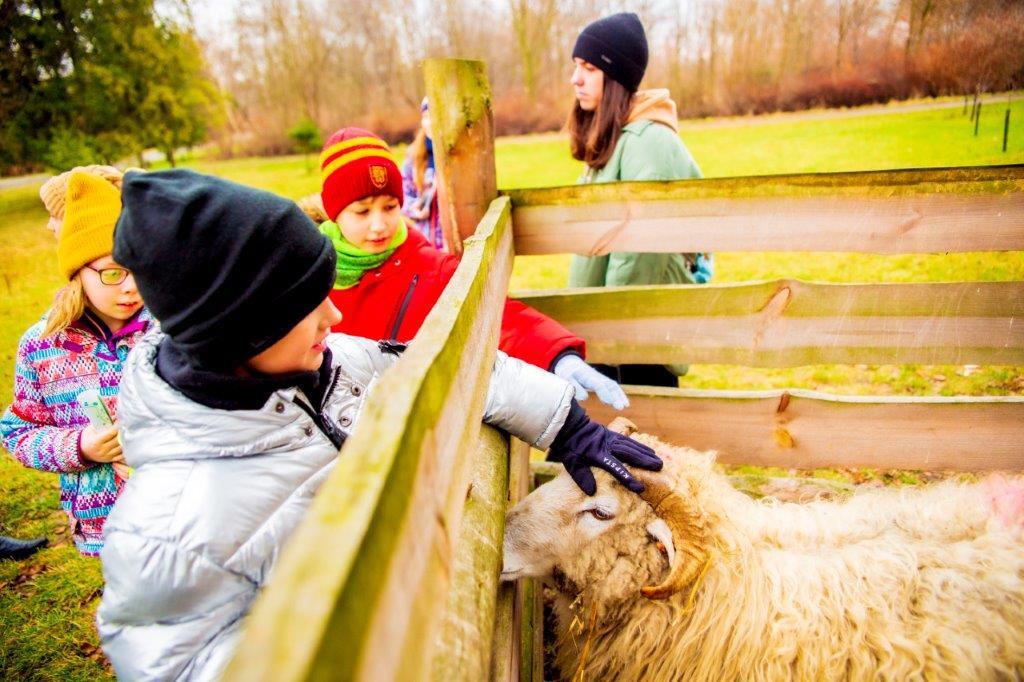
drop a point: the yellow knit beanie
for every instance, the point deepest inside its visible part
(54, 190)
(91, 208)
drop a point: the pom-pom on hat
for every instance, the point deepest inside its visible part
(54, 190)
(91, 207)
(618, 46)
(356, 164)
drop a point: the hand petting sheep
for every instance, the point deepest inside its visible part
(695, 580)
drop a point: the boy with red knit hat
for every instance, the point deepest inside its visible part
(389, 276)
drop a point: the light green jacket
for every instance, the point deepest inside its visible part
(646, 150)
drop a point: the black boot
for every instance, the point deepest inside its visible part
(10, 548)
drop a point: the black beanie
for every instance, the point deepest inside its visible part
(618, 46)
(227, 270)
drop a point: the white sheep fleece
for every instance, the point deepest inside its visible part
(893, 584)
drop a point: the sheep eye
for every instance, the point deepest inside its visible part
(599, 514)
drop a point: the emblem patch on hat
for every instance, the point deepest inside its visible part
(379, 176)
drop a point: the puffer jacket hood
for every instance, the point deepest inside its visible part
(216, 495)
(166, 425)
(654, 105)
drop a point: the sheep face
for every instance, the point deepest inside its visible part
(552, 532)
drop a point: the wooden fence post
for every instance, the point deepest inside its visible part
(1006, 127)
(515, 651)
(463, 127)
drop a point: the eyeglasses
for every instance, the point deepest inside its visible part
(111, 276)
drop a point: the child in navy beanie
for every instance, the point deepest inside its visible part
(234, 412)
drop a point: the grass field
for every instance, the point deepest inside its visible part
(47, 603)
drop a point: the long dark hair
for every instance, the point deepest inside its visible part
(594, 134)
(419, 155)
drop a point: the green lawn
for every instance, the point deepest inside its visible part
(47, 603)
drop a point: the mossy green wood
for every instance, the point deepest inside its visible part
(463, 143)
(809, 429)
(511, 651)
(360, 590)
(537, 675)
(912, 211)
(528, 624)
(791, 323)
(464, 644)
(1003, 179)
(515, 632)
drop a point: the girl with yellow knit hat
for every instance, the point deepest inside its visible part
(55, 190)
(79, 346)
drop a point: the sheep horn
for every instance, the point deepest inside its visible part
(671, 507)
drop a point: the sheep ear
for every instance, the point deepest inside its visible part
(660, 531)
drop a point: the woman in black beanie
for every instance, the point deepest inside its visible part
(623, 133)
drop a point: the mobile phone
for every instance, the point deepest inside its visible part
(92, 405)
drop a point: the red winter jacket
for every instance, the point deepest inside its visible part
(391, 302)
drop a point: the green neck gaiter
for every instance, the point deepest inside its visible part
(353, 261)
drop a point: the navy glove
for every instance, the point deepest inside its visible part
(582, 443)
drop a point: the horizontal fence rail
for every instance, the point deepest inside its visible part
(910, 211)
(790, 323)
(808, 429)
(362, 589)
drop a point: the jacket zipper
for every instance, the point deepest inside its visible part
(330, 390)
(401, 310)
(333, 433)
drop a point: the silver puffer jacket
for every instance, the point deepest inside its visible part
(216, 494)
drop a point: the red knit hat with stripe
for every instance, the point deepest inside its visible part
(356, 164)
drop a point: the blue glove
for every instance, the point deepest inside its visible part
(585, 378)
(582, 443)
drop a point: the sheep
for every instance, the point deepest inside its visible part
(694, 580)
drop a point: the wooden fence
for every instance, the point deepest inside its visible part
(394, 573)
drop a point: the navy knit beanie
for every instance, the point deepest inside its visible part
(618, 46)
(228, 270)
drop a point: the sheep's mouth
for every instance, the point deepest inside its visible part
(508, 575)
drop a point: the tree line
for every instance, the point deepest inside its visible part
(95, 80)
(348, 61)
(89, 81)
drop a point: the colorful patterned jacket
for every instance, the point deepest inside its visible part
(431, 226)
(43, 426)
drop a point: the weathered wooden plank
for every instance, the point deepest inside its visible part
(508, 651)
(361, 587)
(790, 323)
(537, 674)
(464, 644)
(528, 624)
(995, 179)
(463, 139)
(808, 429)
(913, 211)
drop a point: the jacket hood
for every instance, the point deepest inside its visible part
(160, 423)
(654, 105)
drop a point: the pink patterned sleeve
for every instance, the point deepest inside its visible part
(28, 429)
